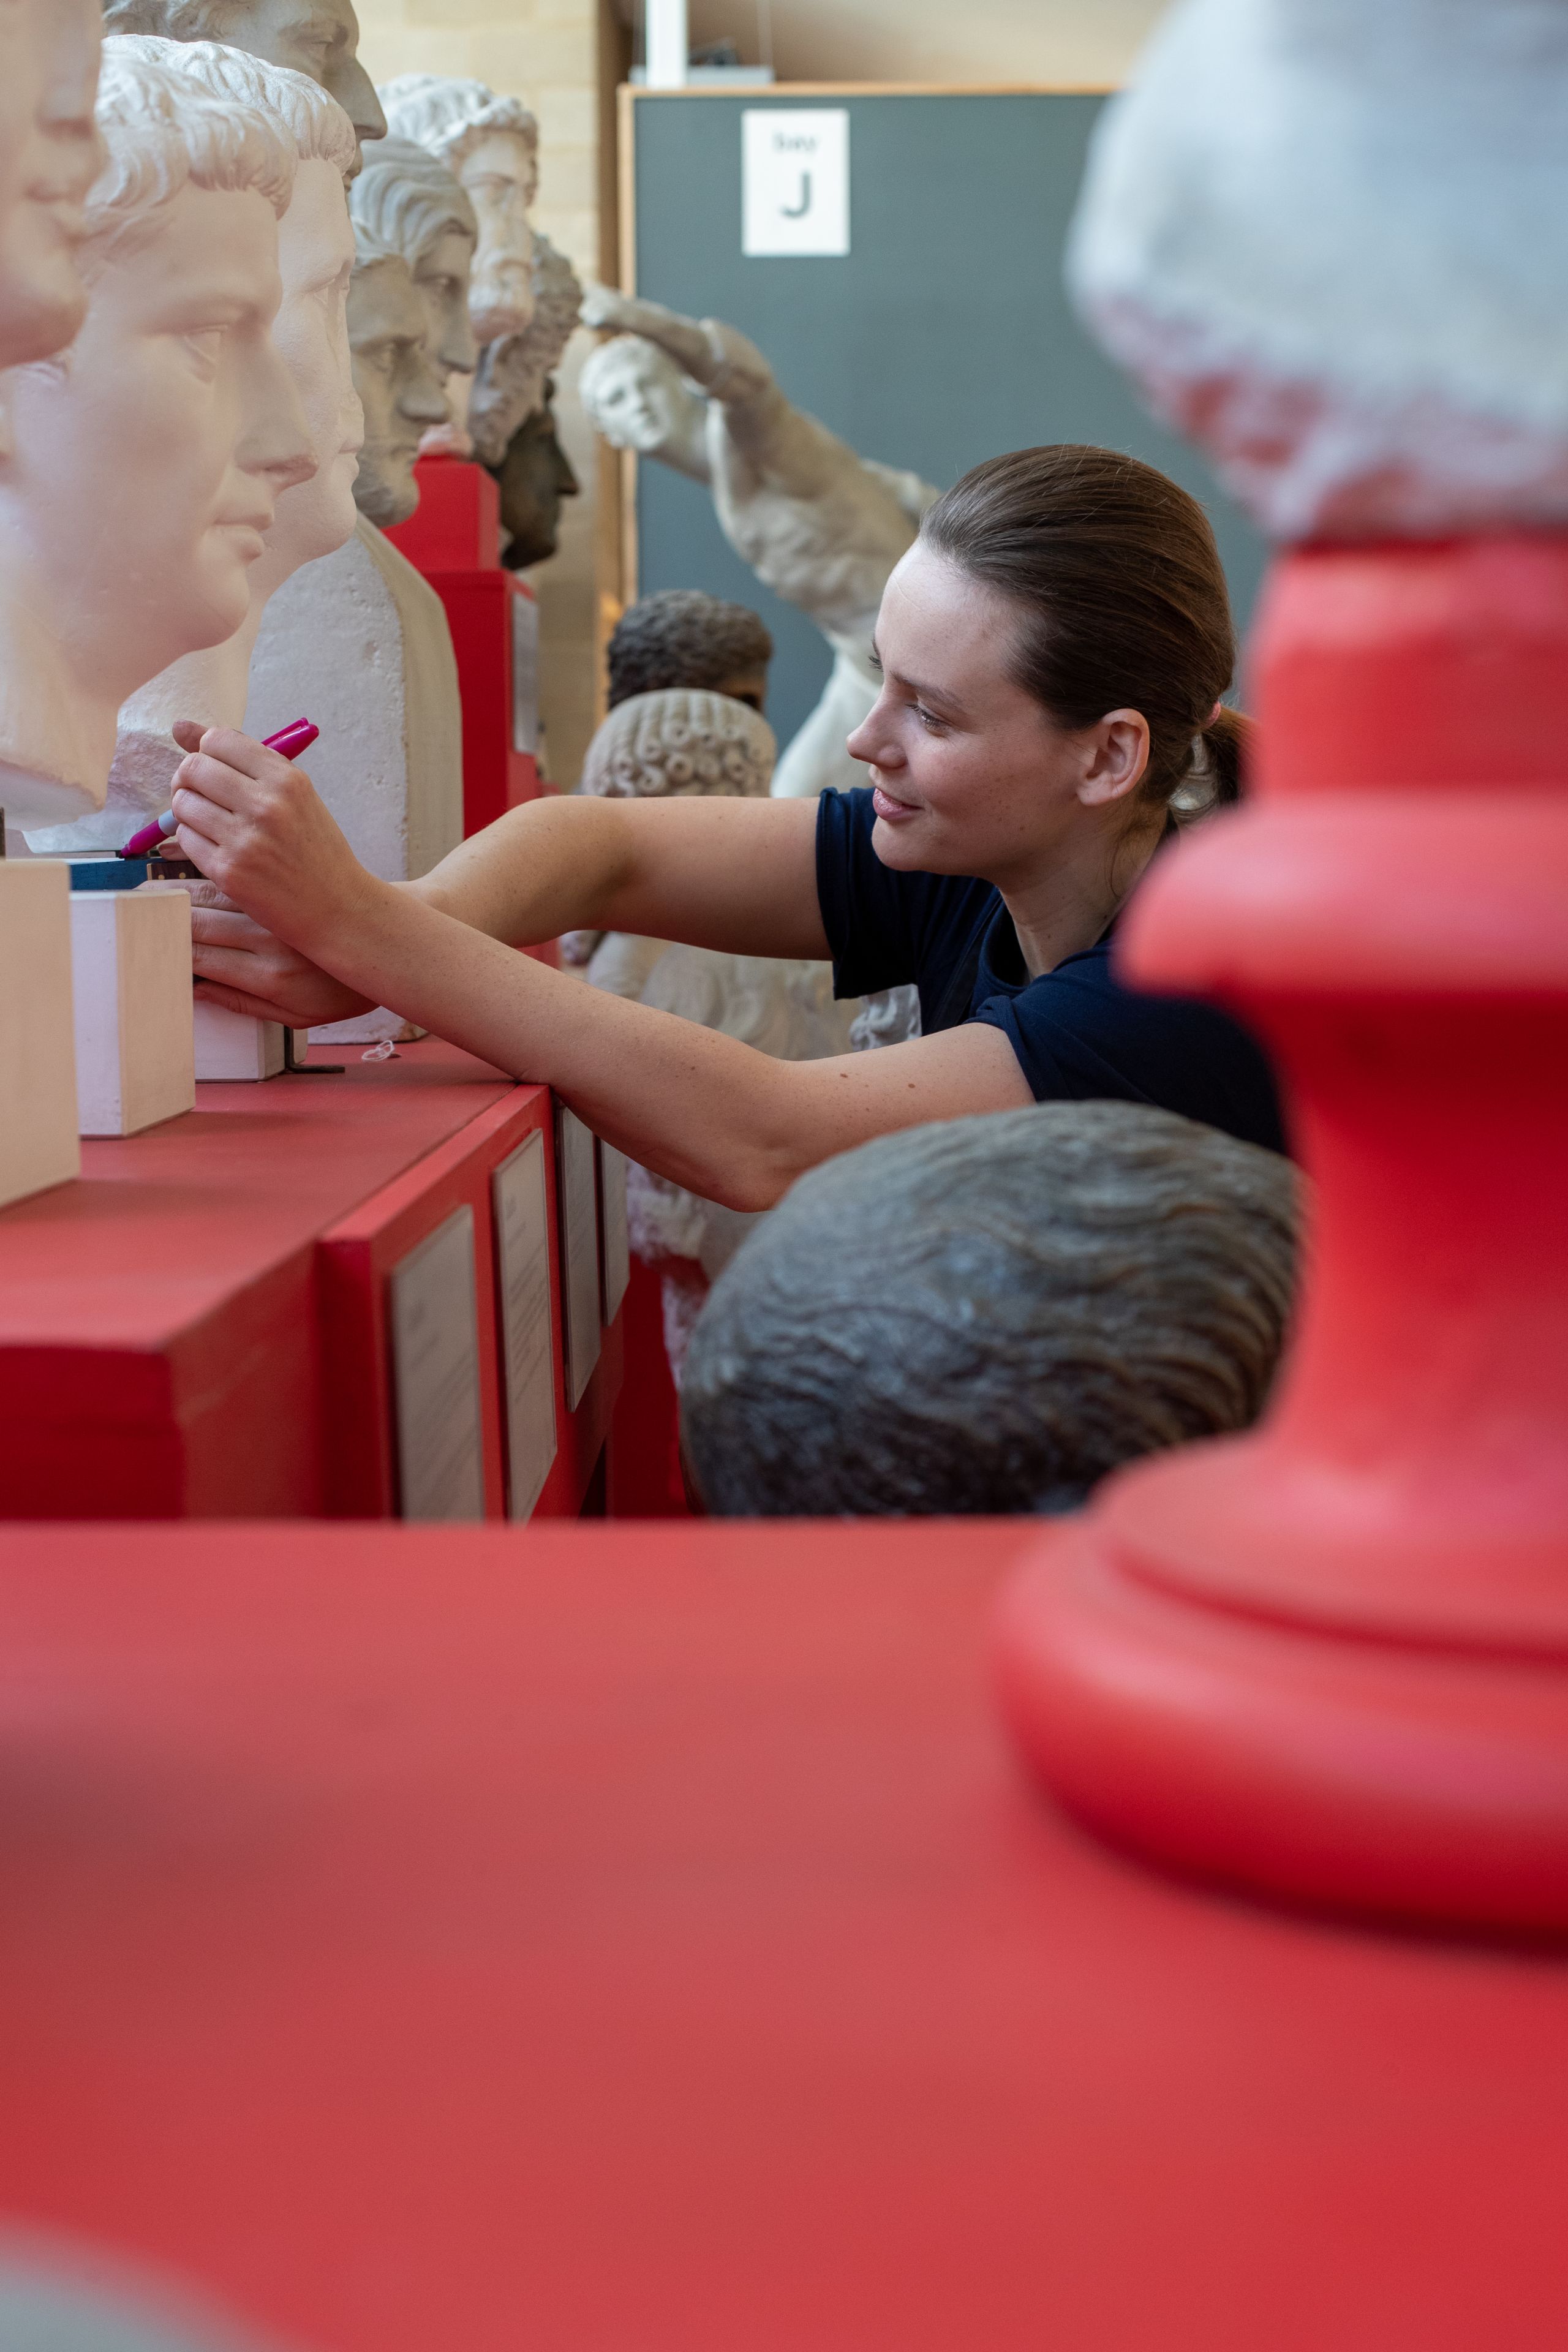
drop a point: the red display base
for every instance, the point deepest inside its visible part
(197, 1328)
(1330, 1661)
(642, 1938)
(454, 540)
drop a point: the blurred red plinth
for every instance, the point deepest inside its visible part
(1330, 1660)
(454, 538)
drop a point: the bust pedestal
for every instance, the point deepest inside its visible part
(1330, 1660)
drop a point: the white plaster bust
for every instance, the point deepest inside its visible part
(635, 395)
(492, 145)
(316, 255)
(139, 471)
(401, 393)
(50, 157)
(319, 38)
(1331, 242)
(405, 201)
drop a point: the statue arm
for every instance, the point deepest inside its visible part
(713, 355)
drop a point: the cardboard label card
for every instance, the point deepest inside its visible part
(522, 1244)
(616, 1265)
(578, 1190)
(794, 180)
(436, 1376)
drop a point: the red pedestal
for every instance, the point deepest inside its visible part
(1330, 1660)
(197, 1328)
(641, 1939)
(454, 540)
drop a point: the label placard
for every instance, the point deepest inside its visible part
(436, 1375)
(522, 1254)
(577, 1189)
(794, 180)
(615, 1245)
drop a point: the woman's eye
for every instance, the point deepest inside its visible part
(929, 719)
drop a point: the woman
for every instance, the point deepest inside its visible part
(1052, 648)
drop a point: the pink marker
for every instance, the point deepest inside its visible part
(288, 743)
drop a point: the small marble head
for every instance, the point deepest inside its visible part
(680, 744)
(681, 636)
(988, 1315)
(636, 397)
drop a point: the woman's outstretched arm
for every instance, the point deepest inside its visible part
(695, 1106)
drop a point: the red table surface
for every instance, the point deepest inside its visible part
(159, 1318)
(641, 1940)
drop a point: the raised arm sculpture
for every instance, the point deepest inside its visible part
(820, 526)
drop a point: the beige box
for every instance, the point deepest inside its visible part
(234, 1046)
(39, 1144)
(135, 1040)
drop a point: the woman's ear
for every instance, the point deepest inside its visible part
(1118, 749)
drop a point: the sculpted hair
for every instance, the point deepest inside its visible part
(990, 1314)
(514, 376)
(681, 742)
(1120, 598)
(162, 132)
(683, 637)
(177, 20)
(451, 117)
(322, 131)
(402, 201)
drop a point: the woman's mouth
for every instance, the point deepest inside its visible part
(890, 811)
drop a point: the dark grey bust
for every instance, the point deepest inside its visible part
(989, 1314)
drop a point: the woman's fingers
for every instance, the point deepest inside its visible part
(222, 927)
(238, 1000)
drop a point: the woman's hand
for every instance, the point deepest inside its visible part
(243, 968)
(254, 825)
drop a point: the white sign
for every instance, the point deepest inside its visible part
(794, 180)
(435, 1372)
(522, 1236)
(615, 1243)
(577, 1190)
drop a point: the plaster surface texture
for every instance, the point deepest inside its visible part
(361, 642)
(491, 142)
(316, 255)
(819, 525)
(235, 1047)
(319, 38)
(406, 201)
(140, 469)
(513, 378)
(1410, 384)
(399, 385)
(130, 958)
(39, 1144)
(50, 157)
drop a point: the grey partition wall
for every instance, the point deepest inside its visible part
(943, 335)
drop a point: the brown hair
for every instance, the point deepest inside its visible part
(1122, 598)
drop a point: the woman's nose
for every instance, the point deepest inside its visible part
(874, 741)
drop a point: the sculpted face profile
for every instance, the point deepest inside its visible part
(408, 202)
(319, 38)
(140, 472)
(50, 156)
(316, 253)
(492, 145)
(394, 373)
(636, 397)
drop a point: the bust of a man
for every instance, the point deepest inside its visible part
(491, 143)
(317, 37)
(49, 155)
(395, 327)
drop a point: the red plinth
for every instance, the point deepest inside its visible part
(1330, 1660)
(454, 538)
(640, 1940)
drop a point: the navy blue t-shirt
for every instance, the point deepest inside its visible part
(1080, 1034)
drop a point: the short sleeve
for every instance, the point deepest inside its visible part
(1079, 1037)
(865, 910)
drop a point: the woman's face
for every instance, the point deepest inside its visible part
(971, 774)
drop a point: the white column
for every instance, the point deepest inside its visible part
(667, 44)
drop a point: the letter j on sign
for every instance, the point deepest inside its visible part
(794, 180)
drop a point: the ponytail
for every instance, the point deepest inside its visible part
(1217, 777)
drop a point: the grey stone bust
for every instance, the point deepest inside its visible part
(988, 1315)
